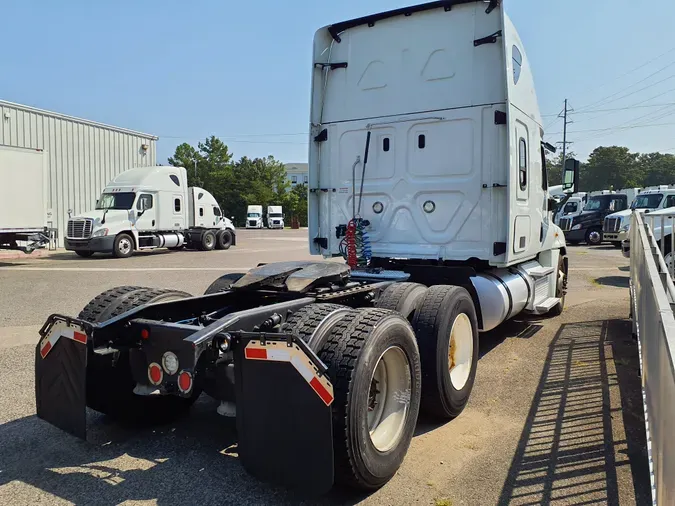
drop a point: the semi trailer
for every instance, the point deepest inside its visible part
(446, 230)
(148, 208)
(23, 197)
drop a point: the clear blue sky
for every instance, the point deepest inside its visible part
(238, 70)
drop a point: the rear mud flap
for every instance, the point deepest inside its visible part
(284, 419)
(60, 375)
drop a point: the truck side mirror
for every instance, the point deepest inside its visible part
(552, 204)
(571, 175)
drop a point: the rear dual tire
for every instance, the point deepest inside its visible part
(374, 365)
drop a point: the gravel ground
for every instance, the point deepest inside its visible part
(555, 415)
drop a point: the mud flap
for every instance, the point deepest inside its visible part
(284, 419)
(60, 375)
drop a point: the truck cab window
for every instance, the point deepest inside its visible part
(176, 205)
(522, 164)
(670, 201)
(201, 211)
(544, 172)
(144, 203)
(517, 64)
(216, 212)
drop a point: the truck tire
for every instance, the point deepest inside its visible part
(314, 322)
(403, 298)
(447, 333)
(223, 283)
(560, 288)
(121, 299)
(84, 254)
(208, 241)
(123, 247)
(110, 382)
(593, 237)
(374, 366)
(224, 239)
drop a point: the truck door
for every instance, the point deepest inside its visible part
(146, 216)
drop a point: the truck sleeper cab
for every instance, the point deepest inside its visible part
(444, 222)
(149, 208)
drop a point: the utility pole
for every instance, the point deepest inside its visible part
(564, 143)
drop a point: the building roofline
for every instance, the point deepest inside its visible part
(76, 119)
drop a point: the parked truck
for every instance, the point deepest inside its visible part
(570, 206)
(587, 227)
(275, 217)
(446, 230)
(254, 217)
(616, 226)
(23, 211)
(149, 208)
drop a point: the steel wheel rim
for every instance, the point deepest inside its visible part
(460, 352)
(389, 398)
(594, 237)
(209, 240)
(124, 246)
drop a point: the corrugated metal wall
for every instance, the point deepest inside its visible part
(83, 156)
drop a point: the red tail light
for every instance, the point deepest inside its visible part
(155, 374)
(185, 382)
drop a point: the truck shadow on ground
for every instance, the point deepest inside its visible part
(572, 444)
(615, 281)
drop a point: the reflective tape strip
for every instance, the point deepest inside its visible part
(281, 352)
(55, 334)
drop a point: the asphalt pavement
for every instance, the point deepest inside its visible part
(555, 416)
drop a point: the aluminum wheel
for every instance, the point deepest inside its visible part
(460, 354)
(594, 237)
(124, 246)
(209, 241)
(389, 398)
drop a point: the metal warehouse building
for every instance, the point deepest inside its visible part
(79, 156)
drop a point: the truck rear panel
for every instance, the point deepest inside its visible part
(446, 94)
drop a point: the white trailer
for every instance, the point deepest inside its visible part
(254, 217)
(275, 217)
(149, 208)
(23, 213)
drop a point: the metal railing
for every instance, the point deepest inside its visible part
(652, 295)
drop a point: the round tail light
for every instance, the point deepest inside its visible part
(185, 382)
(155, 374)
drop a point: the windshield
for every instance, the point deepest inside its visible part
(254, 215)
(121, 200)
(651, 201)
(571, 207)
(275, 215)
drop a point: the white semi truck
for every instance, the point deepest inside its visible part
(616, 226)
(275, 217)
(445, 223)
(148, 208)
(23, 212)
(254, 217)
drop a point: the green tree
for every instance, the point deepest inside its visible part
(612, 167)
(554, 167)
(296, 204)
(658, 168)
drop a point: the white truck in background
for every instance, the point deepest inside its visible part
(616, 226)
(149, 208)
(23, 212)
(571, 206)
(254, 217)
(275, 217)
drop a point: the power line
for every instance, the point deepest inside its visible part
(614, 128)
(235, 136)
(605, 100)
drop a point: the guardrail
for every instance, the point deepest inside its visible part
(652, 295)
